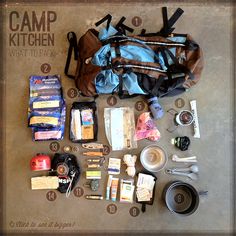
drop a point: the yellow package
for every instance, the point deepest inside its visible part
(87, 132)
(44, 120)
(46, 104)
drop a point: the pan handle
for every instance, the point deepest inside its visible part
(203, 193)
(143, 209)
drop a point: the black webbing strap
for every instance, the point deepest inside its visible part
(117, 50)
(162, 51)
(176, 67)
(173, 58)
(120, 92)
(125, 96)
(175, 17)
(191, 45)
(71, 36)
(107, 18)
(121, 27)
(143, 31)
(165, 20)
(120, 87)
(157, 85)
(167, 24)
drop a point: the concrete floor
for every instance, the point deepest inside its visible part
(30, 211)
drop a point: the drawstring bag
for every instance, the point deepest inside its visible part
(67, 169)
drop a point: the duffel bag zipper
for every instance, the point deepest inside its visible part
(156, 43)
(149, 42)
(141, 67)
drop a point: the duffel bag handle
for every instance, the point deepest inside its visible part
(71, 36)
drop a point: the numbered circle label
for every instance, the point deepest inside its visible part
(106, 150)
(179, 102)
(51, 196)
(111, 209)
(54, 146)
(78, 192)
(72, 93)
(139, 106)
(45, 68)
(111, 101)
(134, 211)
(136, 21)
(179, 198)
(75, 149)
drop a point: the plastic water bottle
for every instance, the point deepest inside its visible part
(155, 108)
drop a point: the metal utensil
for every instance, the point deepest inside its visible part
(184, 159)
(192, 176)
(192, 168)
(92, 146)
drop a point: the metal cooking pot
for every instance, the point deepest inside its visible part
(181, 198)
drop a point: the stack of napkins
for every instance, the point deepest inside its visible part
(145, 185)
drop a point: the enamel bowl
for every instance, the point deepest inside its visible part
(153, 158)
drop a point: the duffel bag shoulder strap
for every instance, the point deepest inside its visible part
(168, 23)
(120, 26)
(71, 36)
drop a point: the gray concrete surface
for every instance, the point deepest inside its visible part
(211, 26)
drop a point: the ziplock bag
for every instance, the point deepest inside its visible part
(120, 128)
(44, 119)
(45, 103)
(45, 85)
(52, 133)
(83, 122)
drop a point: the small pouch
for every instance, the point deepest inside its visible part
(66, 167)
(83, 122)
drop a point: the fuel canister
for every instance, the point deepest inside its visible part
(40, 162)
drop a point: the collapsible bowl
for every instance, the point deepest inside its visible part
(153, 158)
